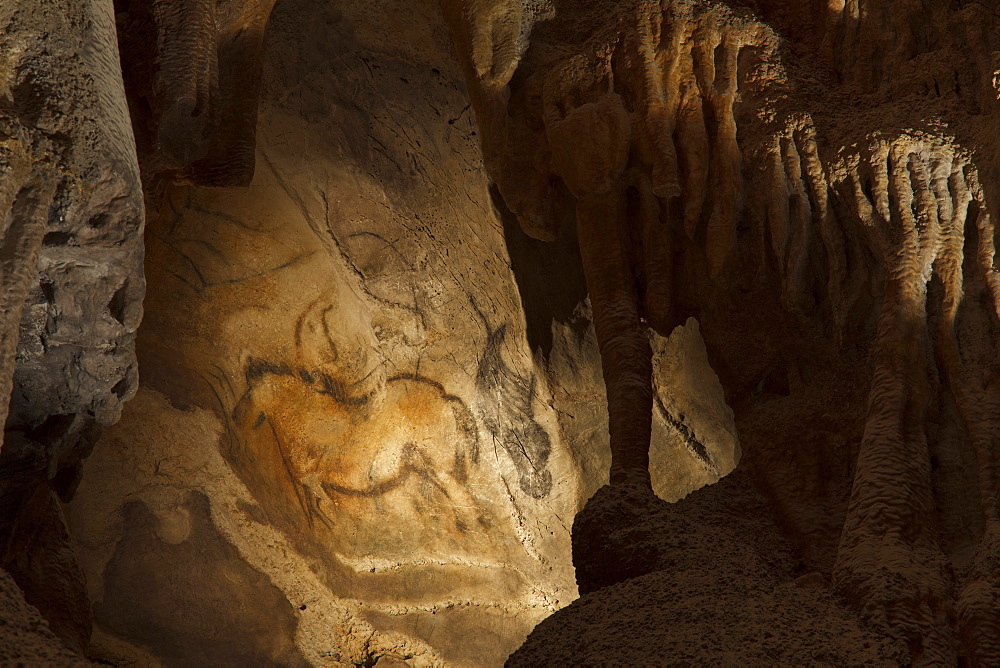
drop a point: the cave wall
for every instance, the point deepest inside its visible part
(76, 239)
(371, 406)
(375, 375)
(71, 286)
(819, 182)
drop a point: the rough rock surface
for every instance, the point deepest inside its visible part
(170, 578)
(25, 637)
(394, 368)
(814, 182)
(71, 282)
(192, 69)
(705, 581)
(347, 415)
(65, 109)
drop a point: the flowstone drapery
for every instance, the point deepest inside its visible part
(786, 173)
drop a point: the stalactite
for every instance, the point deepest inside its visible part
(193, 69)
(726, 146)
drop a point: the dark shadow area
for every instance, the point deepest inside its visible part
(190, 597)
(549, 276)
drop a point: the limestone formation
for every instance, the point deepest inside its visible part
(71, 282)
(25, 637)
(344, 417)
(803, 172)
(703, 581)
(192, 68)
(75, 217)
(426, 276)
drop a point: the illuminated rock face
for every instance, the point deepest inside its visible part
(372, 396)
(344, 416)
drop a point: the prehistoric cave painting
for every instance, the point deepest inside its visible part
(396, 445)
(213, 252)
(506, 409)
(339, 468)
(688, 437)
